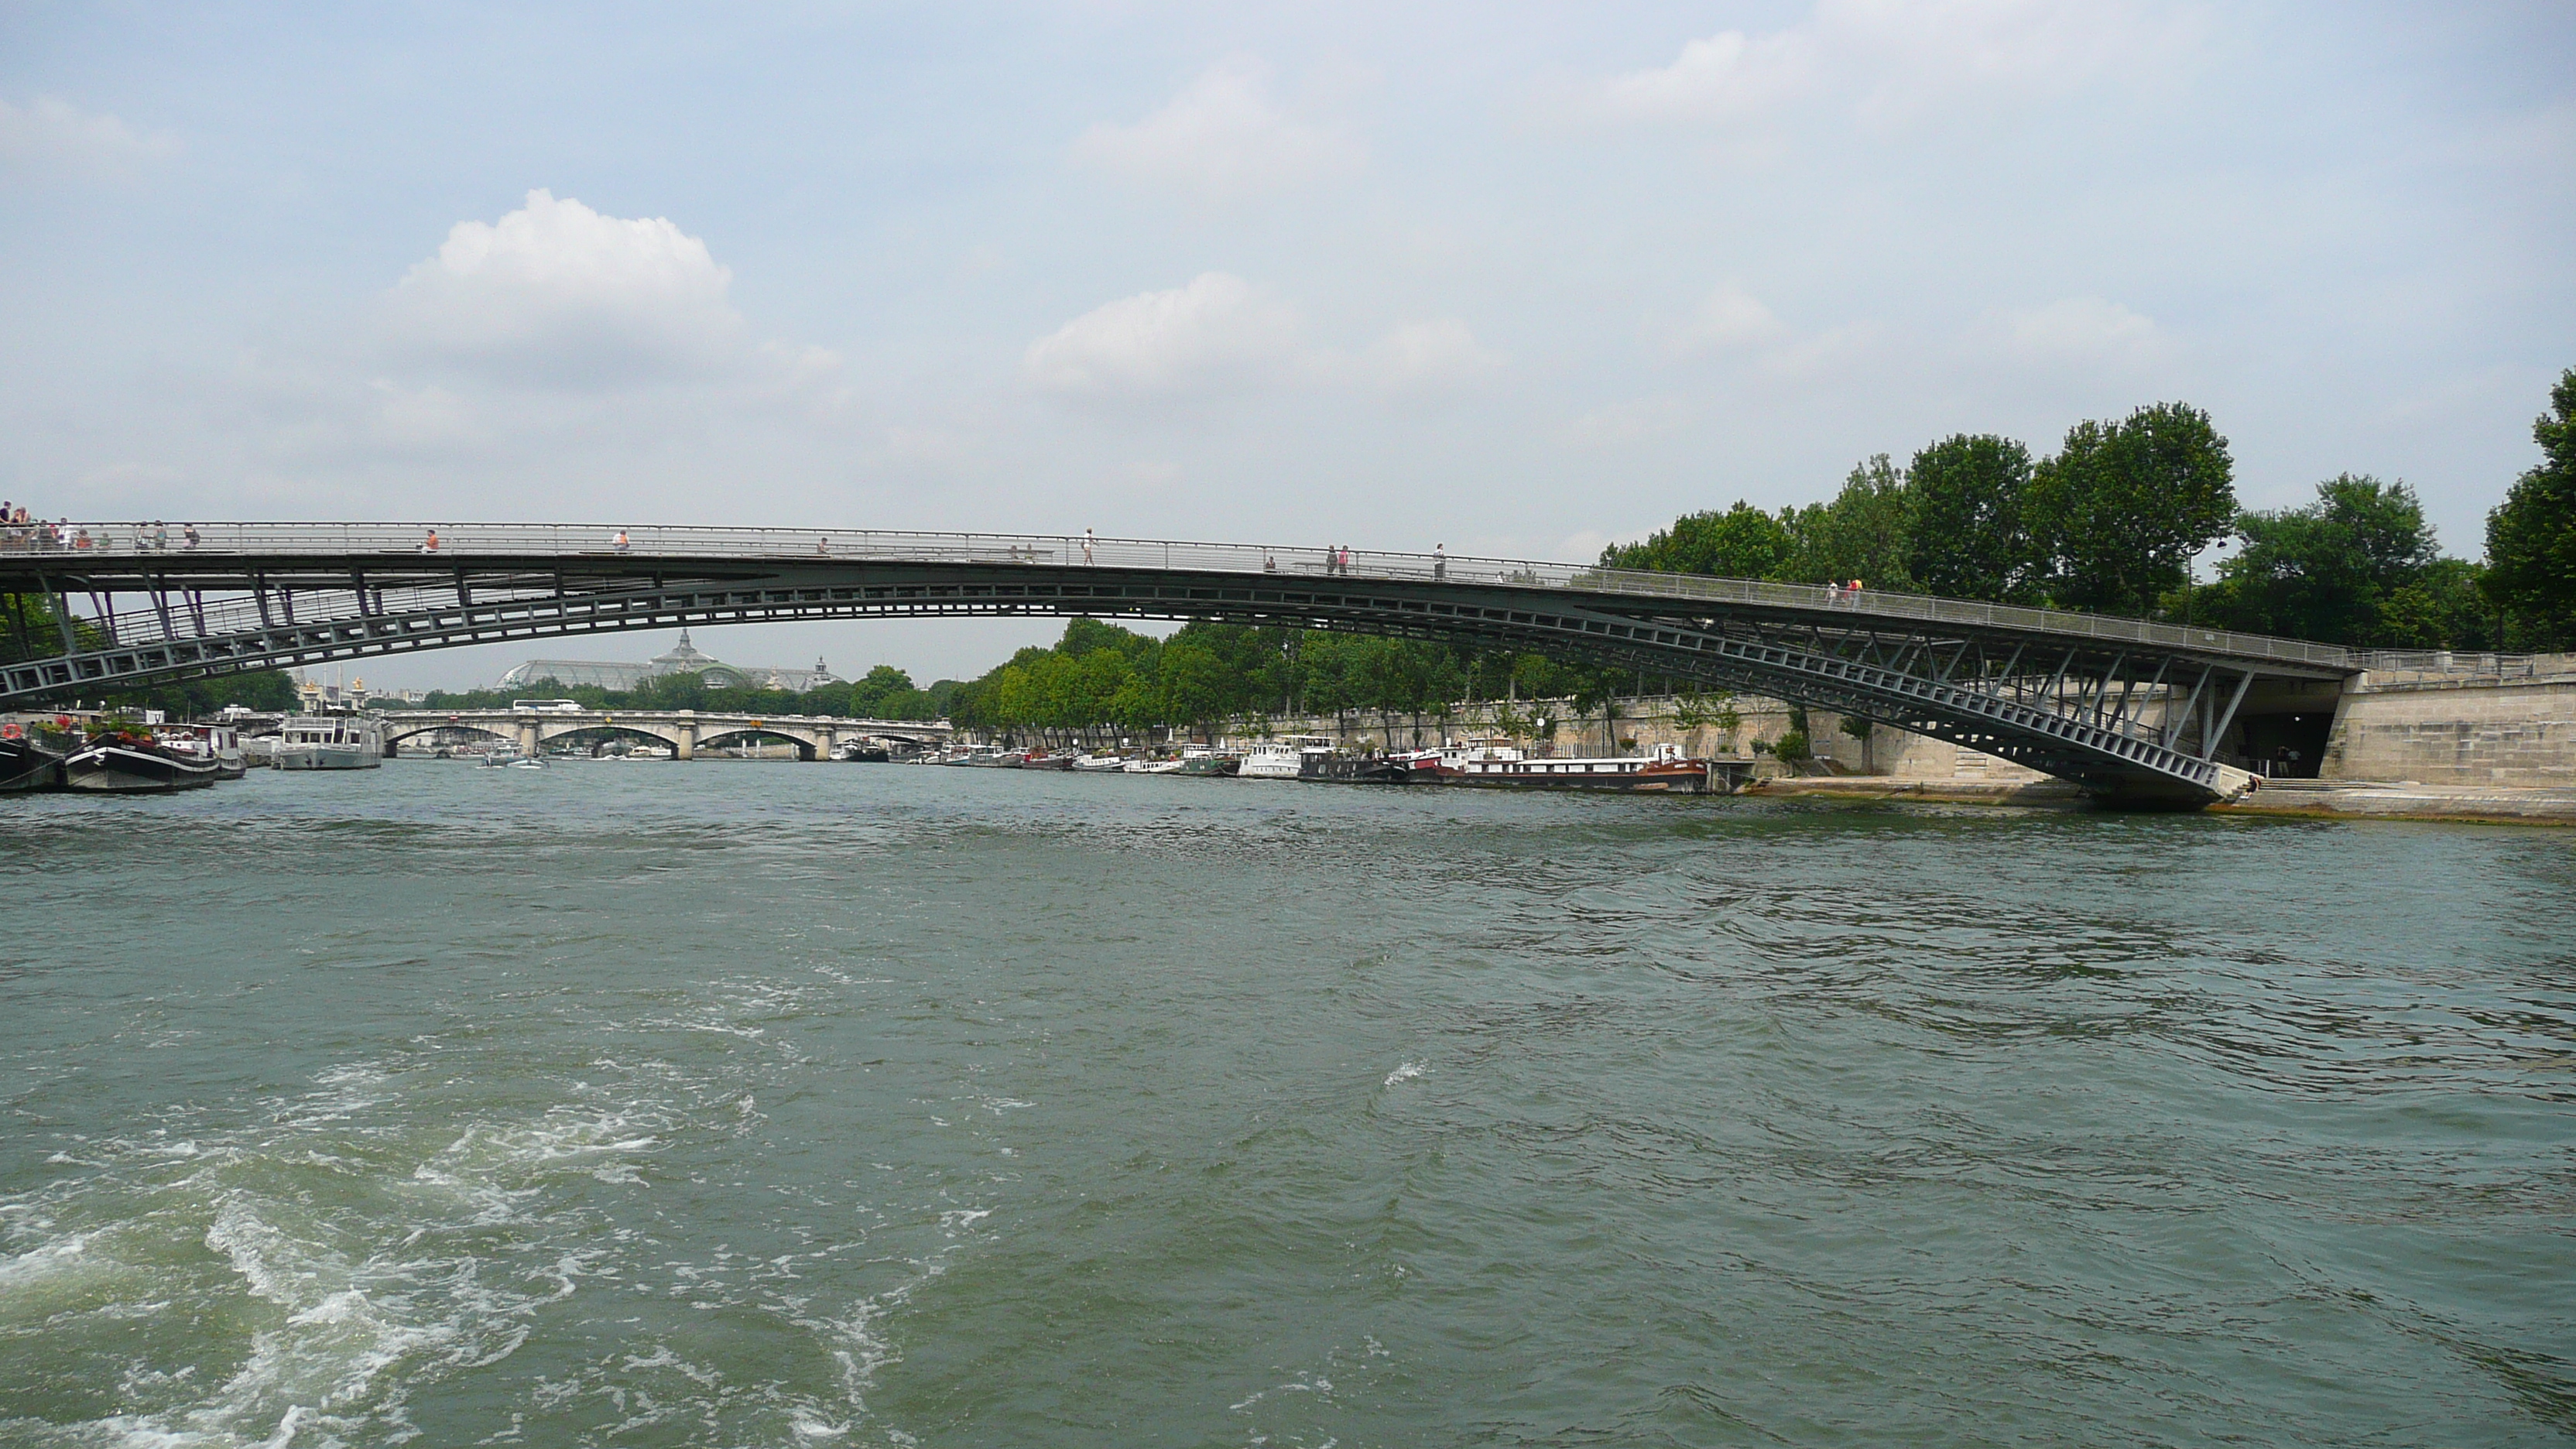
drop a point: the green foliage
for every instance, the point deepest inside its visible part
(1742, 543)
(1968, 537)
(2332, 571)
(268, 690)
(1865, 533)
(2444, 607)
(1855, 726)
(31, 627)
(1697, 711)
(1101, 676)
(2121, 509)
(1792, 747)
(2531, 536)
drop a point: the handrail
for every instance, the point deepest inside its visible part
(558, 541)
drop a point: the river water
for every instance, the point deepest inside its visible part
(766, 1104)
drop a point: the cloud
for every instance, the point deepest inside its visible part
(1892, 63)
(2082, 329)
(1220, 138)
(1424, 356)
(1728, 319)
(1834, 350)
(1727, 75)
(558, 293)
(55, 135)
(1218, 330)
(1625, 424)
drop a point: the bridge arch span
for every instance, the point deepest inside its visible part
(2127, 708)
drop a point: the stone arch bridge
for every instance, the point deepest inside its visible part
(2133, 711)
(686, 731)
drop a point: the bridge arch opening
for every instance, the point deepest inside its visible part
(727, 739)
(596, 739)
(441, 736)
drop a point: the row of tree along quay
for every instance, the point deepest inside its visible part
(2110, 522)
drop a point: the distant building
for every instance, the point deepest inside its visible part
(682, 658)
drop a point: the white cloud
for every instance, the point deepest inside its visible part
(557, 292)
(2082, 329)
(1919, 57)
(1727, 75)
(1893, 62)
(1625, 424)
(1834, 350)
(1728, 319)
(57, 135)
(1429, 355)
(1216, 331)
(1221, 137)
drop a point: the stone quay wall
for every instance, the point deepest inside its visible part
(2465, 728)
(2434, 725)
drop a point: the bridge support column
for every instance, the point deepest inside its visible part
(688, 732)
(528, 737)
(827, 740)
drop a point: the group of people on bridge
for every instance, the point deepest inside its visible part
(20, 532)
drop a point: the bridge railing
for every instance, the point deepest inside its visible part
(472, 544)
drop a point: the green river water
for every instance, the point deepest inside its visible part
(765, 1104)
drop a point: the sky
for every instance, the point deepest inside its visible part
(1515, 279)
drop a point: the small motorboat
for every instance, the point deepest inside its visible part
(1098, 764)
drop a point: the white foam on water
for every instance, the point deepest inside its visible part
(356, 1271)
(65, 1255)
(1407, 1072)
(859, 1348)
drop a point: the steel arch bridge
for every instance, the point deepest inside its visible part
(2130, 710)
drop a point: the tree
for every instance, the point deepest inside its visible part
(1865, 533)
(2121, 509)
(1742, 543)
(266, 690)
(2531, 536)
(2444, 607)
(2328, 571)
(1967, 538)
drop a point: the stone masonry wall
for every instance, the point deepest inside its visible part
(2470, 734)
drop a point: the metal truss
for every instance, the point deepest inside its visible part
(2127, 717)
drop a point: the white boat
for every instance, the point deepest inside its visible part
(1667, 770)
(1283, 758)
(1098, 764)
(330, 742)
(219, 743)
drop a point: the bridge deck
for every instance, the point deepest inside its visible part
(121, 557)
(2128, 707)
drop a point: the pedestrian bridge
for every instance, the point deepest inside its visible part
(686, 731)
(2131, 710)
